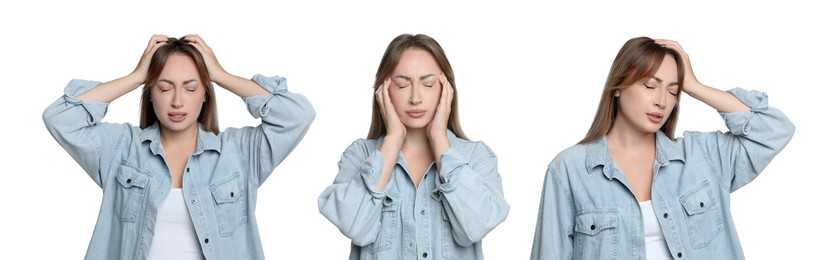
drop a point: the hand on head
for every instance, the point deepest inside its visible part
(394, 127)
(438, 127)
(213, 66)
(155, 42)
(689, 75)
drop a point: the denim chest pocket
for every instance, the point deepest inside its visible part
(596, 234)
(231, 204)
(389, 214)
(703, 217)
(449, 248)
(131, 192)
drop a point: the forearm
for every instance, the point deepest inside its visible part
(111, 90)
(721, 100)
(242, 87)
(390, 158)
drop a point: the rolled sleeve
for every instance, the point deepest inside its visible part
(739, 122)
(451, 161)
(258, 105)
(370, 173)
(95, 111)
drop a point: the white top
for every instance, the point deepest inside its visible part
(175, 236)
(656, 248)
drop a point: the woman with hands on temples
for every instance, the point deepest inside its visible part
(416, 187)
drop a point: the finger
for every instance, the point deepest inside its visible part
(156, 39)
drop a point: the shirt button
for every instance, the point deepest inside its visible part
(129, 180)
(701, 204)
(679, 254)
(424, 255)
(665, 215)
(423, 212)
(193, 201)
(593, 227)
(206, 240)
(188, 169)
(231, 194)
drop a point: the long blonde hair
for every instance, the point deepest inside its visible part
(387, 65)
(638, 59)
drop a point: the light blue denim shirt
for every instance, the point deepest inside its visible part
(445, 217)
(220, 181)
(588, 209)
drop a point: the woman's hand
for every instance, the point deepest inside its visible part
(214, 69)
(395, 129)
(689, 79)
(140, 72)
(395, 133)
(437, 129)
(718, 99)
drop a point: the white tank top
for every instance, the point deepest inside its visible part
(656, 248)
(175, 236)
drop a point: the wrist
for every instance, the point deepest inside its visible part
(135, 79)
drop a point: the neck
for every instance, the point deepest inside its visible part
(416, 142)
(179, 140)
(625, 138)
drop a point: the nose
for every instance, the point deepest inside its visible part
(415, 96)
(660, 101)
(177, 99)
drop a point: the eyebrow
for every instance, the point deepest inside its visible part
(408, 78)
(183, 83)
(659, 80)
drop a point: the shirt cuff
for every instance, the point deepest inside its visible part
(95, 110)
(738, 123)
(371, 171)
(258, 105)
(448, 176)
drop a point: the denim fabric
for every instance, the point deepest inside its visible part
(588, 209)
(219, 184)
(445, 217)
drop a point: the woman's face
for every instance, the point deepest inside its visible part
(646, 105)
(178, 94)
(415, 88)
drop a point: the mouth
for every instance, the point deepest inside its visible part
(416, 113)
(655, 117)
(177, 116)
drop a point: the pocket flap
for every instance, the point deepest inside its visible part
(130, 177)
(698, 200)
(591, 222)
(227, 190)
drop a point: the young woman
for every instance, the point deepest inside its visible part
(630, 190)
(175, 187)
(416, 187)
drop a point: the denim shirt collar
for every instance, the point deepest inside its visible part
(205, 141)
(597, 153)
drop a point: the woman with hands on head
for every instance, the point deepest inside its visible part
(416, 187)
(630, 190)
(176, 187)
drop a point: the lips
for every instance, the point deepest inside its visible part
(655, 117)
(416, 113)
(177, 116)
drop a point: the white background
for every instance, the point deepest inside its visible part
(528, 77)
